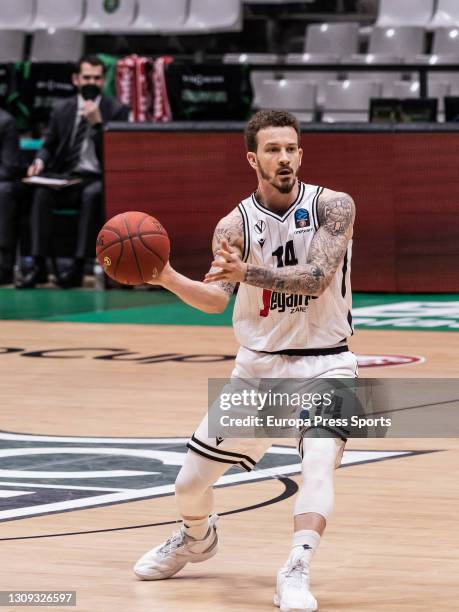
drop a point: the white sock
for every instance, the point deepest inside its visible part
(304, 545)
(196, 528)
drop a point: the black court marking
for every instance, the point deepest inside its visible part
(163, 455)
(290, 488)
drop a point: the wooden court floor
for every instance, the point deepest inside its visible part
(391, 545)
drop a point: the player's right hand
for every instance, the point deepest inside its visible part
(36, 167)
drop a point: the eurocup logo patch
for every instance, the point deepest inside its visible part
(41, 475)
(302, 218)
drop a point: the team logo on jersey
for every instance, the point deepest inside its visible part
(52, 474)
(302, 218)
(260, 226)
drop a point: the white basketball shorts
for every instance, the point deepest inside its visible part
(246, 452)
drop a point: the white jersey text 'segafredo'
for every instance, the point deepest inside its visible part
(266, 320)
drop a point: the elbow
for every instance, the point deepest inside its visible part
(319, 283)
(317, 290)
(215, 308)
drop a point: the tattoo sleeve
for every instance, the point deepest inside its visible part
(328, 247)
(230, 228)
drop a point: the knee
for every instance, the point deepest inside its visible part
(319, 457)
(188, 485)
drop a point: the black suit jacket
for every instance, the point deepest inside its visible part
(10, 153)
(59, 131)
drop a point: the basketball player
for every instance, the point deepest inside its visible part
(289, 242)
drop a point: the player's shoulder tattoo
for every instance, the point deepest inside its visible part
(336, 212)
(231, 228)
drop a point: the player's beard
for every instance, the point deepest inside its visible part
(284, 186)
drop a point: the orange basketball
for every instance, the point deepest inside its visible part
(133, 248)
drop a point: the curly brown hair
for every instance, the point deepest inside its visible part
(268, 118)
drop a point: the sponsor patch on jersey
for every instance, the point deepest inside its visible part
(384, 361)
(284, 302)
(302, 218)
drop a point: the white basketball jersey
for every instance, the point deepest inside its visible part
(266, 320)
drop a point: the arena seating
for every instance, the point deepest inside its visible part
(447, 77)
(446, 14)
(386, 79)
(160, 16)
(204, 18)
(251, 58)
(400, 35)
(65, 44)
(299, 97)
(317, 77)
(16, 14)
(403, 41)
(337, 38)
(437, 89)
(97, 18)
(446, 40)
(12, 45)
(349, 100)
(58, 14)
(399, 13)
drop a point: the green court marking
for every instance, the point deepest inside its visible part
(114, 306)
(407, 312)
(371, 310)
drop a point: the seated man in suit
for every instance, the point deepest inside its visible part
(10, 165)
(72, 148)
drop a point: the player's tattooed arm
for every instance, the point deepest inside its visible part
(230, 230)
(328, 247)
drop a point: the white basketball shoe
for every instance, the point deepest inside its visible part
(293, 594)
(170, 557)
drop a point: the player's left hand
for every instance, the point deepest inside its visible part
(227, 266)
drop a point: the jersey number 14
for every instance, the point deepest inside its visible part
(285, 257)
